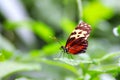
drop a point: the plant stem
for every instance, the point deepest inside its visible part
(80, 9)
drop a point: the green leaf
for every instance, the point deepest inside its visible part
(73, 62)
(51, 48)
(66, 66)
(108, 56)
(82, 58)
(106, 68)
(10, 25)
(43, 31)
(6, 54)
(2, 58)
(7, 68)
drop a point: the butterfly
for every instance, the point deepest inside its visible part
(77, 41)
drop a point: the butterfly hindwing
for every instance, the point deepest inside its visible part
(78, 46)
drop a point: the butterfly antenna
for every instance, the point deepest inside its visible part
(54, 38)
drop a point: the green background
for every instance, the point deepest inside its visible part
(49, 22)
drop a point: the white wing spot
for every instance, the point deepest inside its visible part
(85, 24)
(77, 35)
(82, 25)
(86, 37)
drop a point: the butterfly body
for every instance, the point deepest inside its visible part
(77, 41)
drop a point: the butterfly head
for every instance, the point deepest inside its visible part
(64, 49)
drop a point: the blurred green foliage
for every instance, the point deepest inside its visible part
(96, 11)
(1, 57)
(67, 25)
(43, 31)
(6, 54)
(15, 67)
(51, 22)
(118, 29)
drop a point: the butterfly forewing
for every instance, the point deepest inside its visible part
(77, 41)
